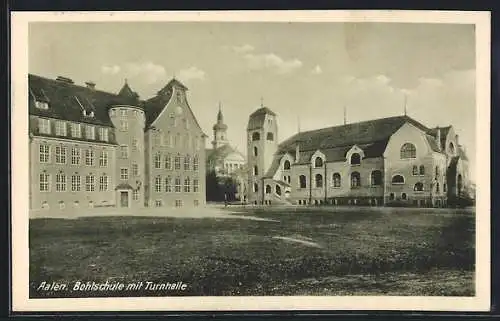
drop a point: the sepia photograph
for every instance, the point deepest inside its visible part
(281, 158)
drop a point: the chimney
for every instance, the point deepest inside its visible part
(438, 137)
(64, 80)
(297, 152)
(90, 85)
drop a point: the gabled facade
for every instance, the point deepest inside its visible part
(388, 161)
(90, 148)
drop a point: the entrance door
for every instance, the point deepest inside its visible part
(124, 199)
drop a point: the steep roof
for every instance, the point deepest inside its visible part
(257, 118)
(68, 101)
(371, 136)
(444, 132)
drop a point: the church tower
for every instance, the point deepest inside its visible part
(262, 138)
(220, 131)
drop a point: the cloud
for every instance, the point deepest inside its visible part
(110, 70)
(191, 73)
(317, 70)
(273, 62)
(149, 72)
(243, 48)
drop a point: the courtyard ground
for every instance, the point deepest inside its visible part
(276, 251)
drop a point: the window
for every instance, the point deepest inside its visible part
(451, 148)
(135, 195)
(90, 132)
(103, 159)
(61, 182)
(268, 189)
(196, 202)
(436, 173)
(103, 134)
(157, 139)
(112, 112)
(168, 184)
(124, 151)
(418, 187)
(421, 170)
(391, 196)
(187, 185)
(355, 159)
(76, 130)
(255, 170)
(186, 123)
(376, 178)
(415, 170)
(255, 136)
(158, 203)
(187, 162)
(177, 162)
(255, 151)
(195, 163)
(177, 185)
(459, 184)
(75, 156)
(270, 136)
(319, 180)
(75, 183)
(437, 187)
(157, 184)
(157, 160)
(286, 165)
(408, 150)
(178, 140)
(123, 173)
(90, 183)
(44, 126)
(178, 203)
(318, 162)
(302, 181)
(444, 188)
(61, 128)
(168, 162)
(89, 157)
(196, 185)
(197, 143)
(135, 144)
(398, 179)
(278, 190)
(123, 125)
(44, 153)
(41, 104)
(103, 183)
(187, 141)
(60, 155)
(403, 196)
(355, 180)
(255, 187)
(135, 169)
(123, 112)
(336, 180)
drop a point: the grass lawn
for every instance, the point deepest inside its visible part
(301, 252)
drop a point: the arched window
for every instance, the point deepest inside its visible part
(376, 178)
(255, 151)
(319, 180)
(286, 165)
(459, 183)
(336, 180)
(302, 181)
(408, 150)
(398, 179)
(355, 159)
(419, 187)
(403, 196)
(437, 187)
(255, 136)
(437, 172)
(318, 162)
(270, 136)
(451, 148)
(415, 170)
(355, 180)
(255, 187)
(255, 170)
(421, 170)
(268, 189)
(278, 190)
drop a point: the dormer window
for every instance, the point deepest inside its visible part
(355, 159)
(41, 104)
(41, 99)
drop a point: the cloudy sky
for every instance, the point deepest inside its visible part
(305, 72)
